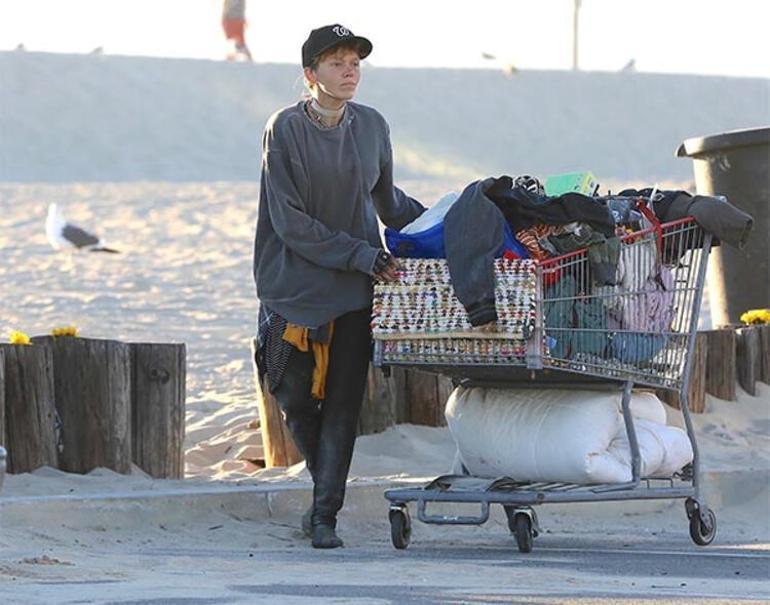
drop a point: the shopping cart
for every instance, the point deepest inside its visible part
(556, 328)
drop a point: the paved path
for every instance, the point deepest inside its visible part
(232, 561)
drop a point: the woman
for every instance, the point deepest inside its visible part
(234, 26)
(327, 174)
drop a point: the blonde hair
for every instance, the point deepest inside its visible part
(353, 45)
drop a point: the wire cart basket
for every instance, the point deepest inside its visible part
(556, 328)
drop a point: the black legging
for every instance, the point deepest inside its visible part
(325, 431)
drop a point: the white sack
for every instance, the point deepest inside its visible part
(672, 442)
(550, 435)
(645, 405)
(677, 450)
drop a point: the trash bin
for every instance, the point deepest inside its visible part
(736, 164)
(2, 466)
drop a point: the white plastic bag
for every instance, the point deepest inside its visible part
(433, 215)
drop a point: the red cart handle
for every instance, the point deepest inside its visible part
(641, 205)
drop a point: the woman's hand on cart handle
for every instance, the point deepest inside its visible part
(386, 267)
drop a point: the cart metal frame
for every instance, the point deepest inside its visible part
(540, 369)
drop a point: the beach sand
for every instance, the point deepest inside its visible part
(184, 275)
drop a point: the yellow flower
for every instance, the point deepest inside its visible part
(19, 338)
(65, 331)
(756, 316)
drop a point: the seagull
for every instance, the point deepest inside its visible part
(630, 66)
(509, 69)
(64, 235)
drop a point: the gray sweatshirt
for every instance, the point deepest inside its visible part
(321, 191)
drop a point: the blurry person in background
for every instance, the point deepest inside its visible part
(327, 175)
(234, 26)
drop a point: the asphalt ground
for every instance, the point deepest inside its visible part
(220, 559)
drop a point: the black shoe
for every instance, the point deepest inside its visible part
(307, 522)
(324, 536)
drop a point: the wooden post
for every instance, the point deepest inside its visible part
(764, 342)
(3, 438)
(29, 407)
(444, 390)
(378, 409)
(158, 408)
(720, 363)
(696, 390)
(757, 357)
(748, 358)
(279, 447)
(425, 407)
(398, 383)
(92, 381)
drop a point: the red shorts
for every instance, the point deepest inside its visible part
(234, 29)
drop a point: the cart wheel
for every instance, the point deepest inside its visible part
(703, 532)
(400, 527)
(522, 529)
(690, 507)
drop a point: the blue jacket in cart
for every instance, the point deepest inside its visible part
(430, 243)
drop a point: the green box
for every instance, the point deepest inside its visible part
(572, 182)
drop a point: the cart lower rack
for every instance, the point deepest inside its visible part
(558, 326)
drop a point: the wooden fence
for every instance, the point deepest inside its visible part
(81, 403)
(76, 403)
(403, 397)
(723, 358)
(720, 359)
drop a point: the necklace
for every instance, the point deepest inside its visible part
(328, 118)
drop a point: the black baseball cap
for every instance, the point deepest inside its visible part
(324, 38)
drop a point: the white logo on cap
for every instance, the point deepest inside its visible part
(341, 31)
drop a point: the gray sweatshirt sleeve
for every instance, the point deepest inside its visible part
(394, 207)
(302, 233)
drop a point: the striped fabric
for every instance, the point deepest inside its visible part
(272, 350)
(419, 318)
